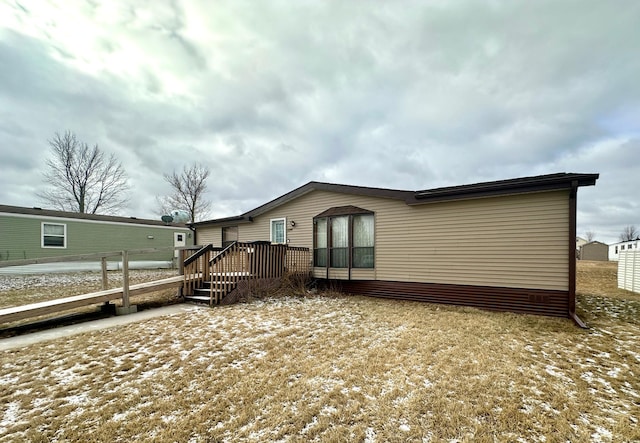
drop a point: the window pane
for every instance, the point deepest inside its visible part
(320, 257)
(321, 233)
(277, 231)
(363, 231)
(339, 257)
(53, 241)
(340, 232)
(54, 229)
(363, 258)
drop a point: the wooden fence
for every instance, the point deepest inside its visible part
(629, 271)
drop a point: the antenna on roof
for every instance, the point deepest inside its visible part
(166, 219)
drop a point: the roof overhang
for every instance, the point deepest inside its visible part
(505, 187)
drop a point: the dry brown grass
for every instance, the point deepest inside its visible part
(24, 289)
(333, 369)
(600, 278)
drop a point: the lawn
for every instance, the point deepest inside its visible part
(325, 367)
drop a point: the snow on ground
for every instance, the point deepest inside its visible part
(49, 280)
(291, 369)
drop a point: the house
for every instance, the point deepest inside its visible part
(580, 242)
(616, 248)
(503, 245)
(594, 250)
(27, 233)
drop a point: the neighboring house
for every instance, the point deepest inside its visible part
(594, 250)
(580, 242)
(27, 233)
(505, 245)
(616, 248)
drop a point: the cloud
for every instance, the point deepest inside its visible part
(273, 94)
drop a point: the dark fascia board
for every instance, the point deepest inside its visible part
(522, 185)
(305, 189)
(227, 221)
(76, 215)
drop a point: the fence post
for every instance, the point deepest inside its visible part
(105, 278)
(126, 308)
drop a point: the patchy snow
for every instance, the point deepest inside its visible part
(10, 415)
(369, 435)
(601, 434)
(46, 281)
(210, 346)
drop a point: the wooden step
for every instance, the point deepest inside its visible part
(219, 283)
(208, 290)
(197, 298)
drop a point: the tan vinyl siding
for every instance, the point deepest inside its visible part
(517, 241)
(209, 235)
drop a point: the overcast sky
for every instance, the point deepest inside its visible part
(273, 94)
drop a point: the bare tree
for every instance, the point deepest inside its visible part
(590, 236)
(83, 179)
(188, 188)
(629, 233)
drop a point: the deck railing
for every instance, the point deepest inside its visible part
(221, 270)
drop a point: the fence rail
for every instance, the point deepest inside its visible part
(629, 271)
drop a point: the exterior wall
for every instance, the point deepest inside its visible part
(594, 251)
(21, 238)
(629, 271)
(517, 241)
(616, 248)
(209, 235)
(580, 242)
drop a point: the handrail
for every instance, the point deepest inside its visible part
(78, 257)
(223, 252)
(198, 254)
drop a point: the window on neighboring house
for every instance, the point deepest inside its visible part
(622, 247)
(54, 235)
(616, 250)
(344, 237)
(278, 231)
(229, 235)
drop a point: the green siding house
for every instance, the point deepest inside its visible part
(28, 233)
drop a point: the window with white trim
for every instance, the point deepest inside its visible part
(54, 235)
(278, 230)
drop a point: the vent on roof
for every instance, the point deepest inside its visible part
(39, 209)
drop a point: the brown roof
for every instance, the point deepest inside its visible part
(76, 215)
(485, 189)
(522, 185)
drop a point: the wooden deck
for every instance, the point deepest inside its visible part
(62, 304)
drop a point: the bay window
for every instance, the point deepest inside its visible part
(344, 238)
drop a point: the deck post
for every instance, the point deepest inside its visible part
(126, 308)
